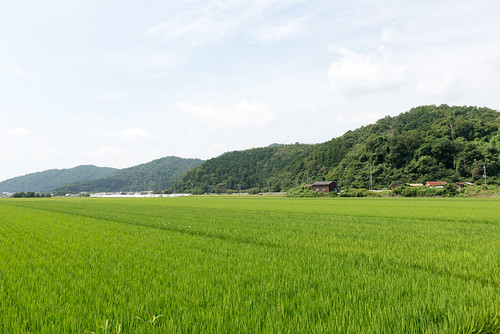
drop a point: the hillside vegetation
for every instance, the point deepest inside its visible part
(44, 182)
(425, 143)
(155, 175)
(256, 168)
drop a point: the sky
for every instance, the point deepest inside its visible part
(118, 83)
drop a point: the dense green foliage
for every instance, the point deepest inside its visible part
(45, 182)
(427, 143)
(303, 191)
(271, 168)
(29, 194)
(277, 265)
(155, 175)
(481, 191)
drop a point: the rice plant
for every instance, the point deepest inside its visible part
(224, 264)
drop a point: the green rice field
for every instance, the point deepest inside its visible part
(250, 264)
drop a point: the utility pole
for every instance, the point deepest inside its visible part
(484, 174)
(371, 178)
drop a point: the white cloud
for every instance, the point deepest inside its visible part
(109, 97)
(357, 74)
(277, 31)
(444, 85)
(17, 70)
(20, 145)
(195, 28)
(243, 113)
(17, 133)
(121, 157)
(12, 144)
(108, 152)
(147, 61)
(419, 76)
(216, 148)
(135, 134)
(213, 20)
(174, 40)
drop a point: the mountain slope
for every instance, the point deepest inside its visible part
(46, 181)
(425, 143)
(155, 175)
(264, 167)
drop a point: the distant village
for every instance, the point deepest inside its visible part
(320, 186)
(330, 186)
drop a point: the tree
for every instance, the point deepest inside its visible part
(450, 189)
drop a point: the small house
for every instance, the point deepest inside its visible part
(416, 184)
(324, 186)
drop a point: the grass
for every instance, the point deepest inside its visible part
(229, 264)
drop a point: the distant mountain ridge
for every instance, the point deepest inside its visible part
(156, 175)
(46, 181)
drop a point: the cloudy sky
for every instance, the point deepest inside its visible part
(121, 82)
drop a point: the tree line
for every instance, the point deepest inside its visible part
(29, 194)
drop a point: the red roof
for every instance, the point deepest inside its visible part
(435, 183)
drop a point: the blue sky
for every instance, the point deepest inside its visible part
(118, 83)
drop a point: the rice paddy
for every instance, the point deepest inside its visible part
(249, 264)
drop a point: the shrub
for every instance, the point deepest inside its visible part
(407, 191)
(354, 193)
(304, 192)
(197, 191)
(450, 190)
(253, 191)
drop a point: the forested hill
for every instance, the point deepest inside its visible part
(158, 174)
(425, 143)
(46, 181)
(259, 168)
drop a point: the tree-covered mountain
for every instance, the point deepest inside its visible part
(262, 168)
(46, 181)
(425, 143)
(158, 174)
